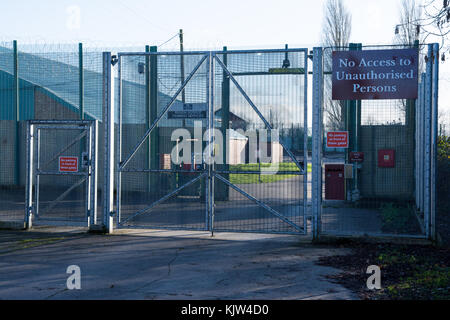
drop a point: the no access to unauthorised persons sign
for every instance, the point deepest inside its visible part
(375, 74)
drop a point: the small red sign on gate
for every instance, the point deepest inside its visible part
(68, 164)
(338, 139)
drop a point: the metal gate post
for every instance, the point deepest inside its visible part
(211, 177)
(305, 147)
(93, 178)
(208, 176)
(317, 140)
(427, 140)
(88, 145)
(108, 122)
(421, 144)
(29, 181)
(434, 136)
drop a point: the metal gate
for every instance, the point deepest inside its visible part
(61, 184)
(388, 170)
(213, 140)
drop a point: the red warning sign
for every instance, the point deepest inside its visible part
(337, 139)
(68, 164)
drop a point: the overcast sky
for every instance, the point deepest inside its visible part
(207, 24)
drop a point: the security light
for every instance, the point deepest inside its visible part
(114, 60)
(286, 62)
(141, 67)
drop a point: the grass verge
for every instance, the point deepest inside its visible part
(242, 178)
(408, 272)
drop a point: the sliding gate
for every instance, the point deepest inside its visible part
(213, 141)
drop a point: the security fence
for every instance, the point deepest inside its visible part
(244, 109)
(44, 82)
(380, 185)
(218, 141)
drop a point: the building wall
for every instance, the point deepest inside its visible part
(236, 151)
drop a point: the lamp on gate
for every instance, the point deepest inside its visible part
(286, 62)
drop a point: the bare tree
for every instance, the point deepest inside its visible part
(408, 31)
(336, 30)
(337, 25)
(434, 20)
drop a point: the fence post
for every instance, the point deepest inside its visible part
(305, 146)
(434, 136)
(108, 121)
(81, 80)
(148, 120)
(29, 177)
(427, 140)
(16, 114)
(317, 140)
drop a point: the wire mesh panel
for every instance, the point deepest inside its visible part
(10, 195)
(371, 186)
(259, 109)
(45, 82)
(162, 120)
(62, 168)
(202, 150)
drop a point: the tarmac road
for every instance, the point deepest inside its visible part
(164, 265)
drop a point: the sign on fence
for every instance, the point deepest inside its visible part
(188, 111)
(337, 139)
(375, 74)
(357, 156)
(68, 164)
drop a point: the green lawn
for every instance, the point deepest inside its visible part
(238, 178)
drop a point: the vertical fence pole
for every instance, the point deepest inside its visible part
(434, 136)
(183, 93)
(81, 80)
(427, 140)
(417, 147)
(208, 177)
(317, 139)
(148, 120)
(93, 171)
(222, 191)
(29, 178)
(305, 145)
(422, 145)
(108, 121)
(153, 113)
(211, 68)
(16, 114)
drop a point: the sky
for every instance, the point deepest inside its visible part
(207, 24)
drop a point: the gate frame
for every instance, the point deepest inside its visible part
(430, 124)
(90, 176)
(211, 57)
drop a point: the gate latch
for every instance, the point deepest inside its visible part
(85, 161)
